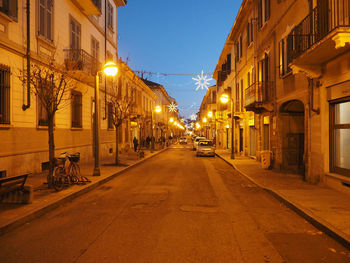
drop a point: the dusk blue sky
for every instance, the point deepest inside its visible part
(183, 36)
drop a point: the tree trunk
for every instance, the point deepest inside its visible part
(116, 145)
(51, 151)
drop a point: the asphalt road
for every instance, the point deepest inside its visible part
(172, 208)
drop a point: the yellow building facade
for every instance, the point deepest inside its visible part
(285, 66)
(81, 36)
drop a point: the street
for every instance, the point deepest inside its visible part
(175, 207)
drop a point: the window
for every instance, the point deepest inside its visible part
(75, 34)
(42, 114)
(250, 33)
(95, 46)
(340, 137)
(109, 15)
(109, 56)
(110, 115)
(284, 57)
(4, 94)
(237, 97)
(238, 49)
(263, 78)
(76, 109)
(10, 8)
(45, 19)
(241, 97)
(263, 12)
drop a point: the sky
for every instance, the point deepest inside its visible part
(175, 37)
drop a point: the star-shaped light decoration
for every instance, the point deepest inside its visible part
(172, 107)
(202, 81)
(193, 117)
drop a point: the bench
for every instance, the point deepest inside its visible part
(13, 189)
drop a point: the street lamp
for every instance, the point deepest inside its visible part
(109, 69)
(157, 109)
(225, 98)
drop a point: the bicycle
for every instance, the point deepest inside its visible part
(66, 174)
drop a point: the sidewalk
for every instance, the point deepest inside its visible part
(13, 215)
(323, 207)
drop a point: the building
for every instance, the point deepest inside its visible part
(162, 126)
(208, 114)
(82, 35)
(289, 84)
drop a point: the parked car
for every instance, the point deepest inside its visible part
(195, 144)
(205, 148)
(183, 140)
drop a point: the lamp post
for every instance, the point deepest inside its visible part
(157, 109)
(225, 98)
(109, 69)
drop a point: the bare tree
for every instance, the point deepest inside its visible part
(120, 108)
(52, 86)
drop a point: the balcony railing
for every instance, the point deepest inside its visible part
(258, 92)
(322, 20)
(78, 59)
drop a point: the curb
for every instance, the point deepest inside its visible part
(49, 207)
(317, 222)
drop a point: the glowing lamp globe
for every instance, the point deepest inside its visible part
(158, 109)
(110, 69)
(210, 114)
(171, 120)
(224, 98)
(205, 120)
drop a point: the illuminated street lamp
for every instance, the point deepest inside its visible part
(205, 120)
(109, 69)
(171, 120)
(225, 98)
(198, 125)
(210, 114)
(157, 109)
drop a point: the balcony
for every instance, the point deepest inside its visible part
(258, 96)
(321, 36)
(80, 60)
(90, 7)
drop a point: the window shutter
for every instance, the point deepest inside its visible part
(267, 10)
(260, 13)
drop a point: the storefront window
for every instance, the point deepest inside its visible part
(340, 138)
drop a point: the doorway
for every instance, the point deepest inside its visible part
(252, 141)
(292, 117)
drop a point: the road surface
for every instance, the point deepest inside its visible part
(174, 207)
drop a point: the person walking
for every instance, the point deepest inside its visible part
(136, 143)
(148, 140)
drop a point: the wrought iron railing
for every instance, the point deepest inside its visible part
(250, 95)
(97, 3)
(79, 59)
(322, 20)
(258, 92)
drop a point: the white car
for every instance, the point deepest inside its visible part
(183, 140)
(205, 148)
(195, 143)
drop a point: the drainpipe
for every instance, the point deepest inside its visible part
(105, 117)
(26, 106)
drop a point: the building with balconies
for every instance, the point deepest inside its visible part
(290, 71)
(162, 127)
(80, 36)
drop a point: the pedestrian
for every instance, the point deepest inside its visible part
(136, 143)
(148, 140)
